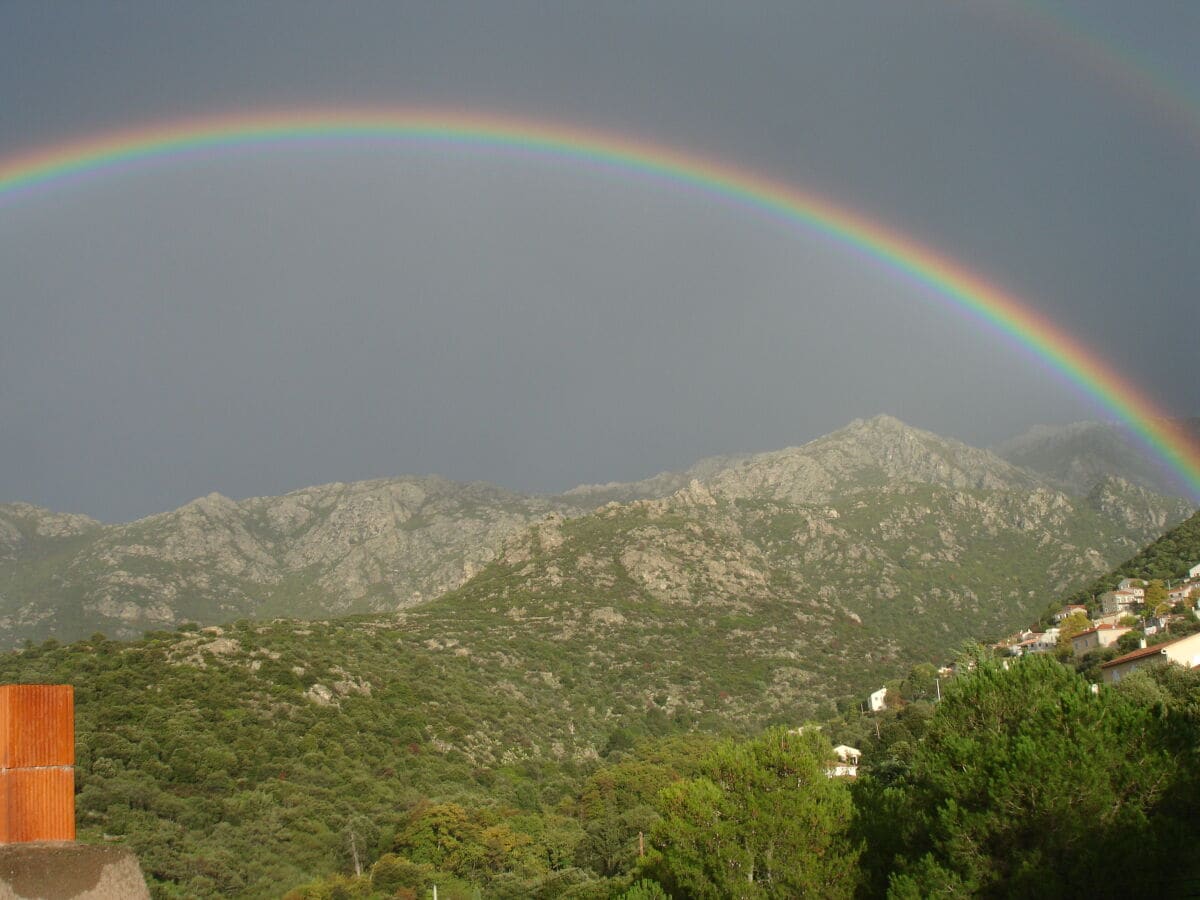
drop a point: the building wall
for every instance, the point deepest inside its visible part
(1105, 637)
(1085, 642)
(1185, 652)
(1115, 673)
(1109, 636)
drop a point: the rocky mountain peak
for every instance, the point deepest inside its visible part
(865, 455)
(23, 526)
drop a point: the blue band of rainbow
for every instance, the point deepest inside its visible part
(1002, 312)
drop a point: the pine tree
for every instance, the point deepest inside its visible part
(763, 820)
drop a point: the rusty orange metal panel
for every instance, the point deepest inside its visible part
(37, 725)
(37, 804)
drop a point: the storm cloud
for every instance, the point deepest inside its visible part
(252, 322)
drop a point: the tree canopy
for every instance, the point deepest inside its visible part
(1026, 784)
(763, 819)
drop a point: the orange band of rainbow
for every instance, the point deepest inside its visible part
(986, 301)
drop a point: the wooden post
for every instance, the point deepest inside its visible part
(37, 763)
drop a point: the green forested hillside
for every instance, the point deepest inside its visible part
(1168, 557)
(246, 759)
(512, 714)
(240, 763)
(260, 760)
(759, 610)
(254, 759)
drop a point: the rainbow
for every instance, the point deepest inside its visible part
(987, 302)
(1144, 84)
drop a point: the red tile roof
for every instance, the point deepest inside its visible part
(1138, 654)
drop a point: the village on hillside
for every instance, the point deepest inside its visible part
(1137, 624)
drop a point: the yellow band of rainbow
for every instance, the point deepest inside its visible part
(1006, 314)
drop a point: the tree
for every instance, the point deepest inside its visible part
(1190, 601)
(762, 820)
(359, 837)
(645, 890)
(391, 873)
(444, 836)
(1130, 641)
(1156, 601)
(1028, 784)
(921, 683)
(1074, 624)
(617, 801)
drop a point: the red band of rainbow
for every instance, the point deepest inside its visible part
(986, 301)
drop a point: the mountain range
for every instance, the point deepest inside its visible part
(325, 665)
(1074, 457)
(878, 518)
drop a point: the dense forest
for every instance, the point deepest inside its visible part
(347, 759)
(1020, 782)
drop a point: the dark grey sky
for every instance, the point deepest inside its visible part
(254, 323)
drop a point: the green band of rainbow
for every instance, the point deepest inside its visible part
(1008, 316)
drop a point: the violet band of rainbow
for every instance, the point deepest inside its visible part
(999, 311)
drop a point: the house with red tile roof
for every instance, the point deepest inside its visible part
(1121, 600)
(1093, 638)
(1069, 610)
(1184, 651)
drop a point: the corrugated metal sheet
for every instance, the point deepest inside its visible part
(37, 805)
(37, 756)
(37, 725)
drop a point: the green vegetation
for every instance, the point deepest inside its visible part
(248, 761)
(1024, 783)
(355, 758)
(761, 820)
(629, 680)
(1168, 557)
(1020, 782)
(1072, 625)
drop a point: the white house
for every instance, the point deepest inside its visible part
(1194, 571)
(847, 765)
(1069, 611)
(1037, 642)
(878, 700)
(1184, 651)
(1179, 594)
(1094, 638)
